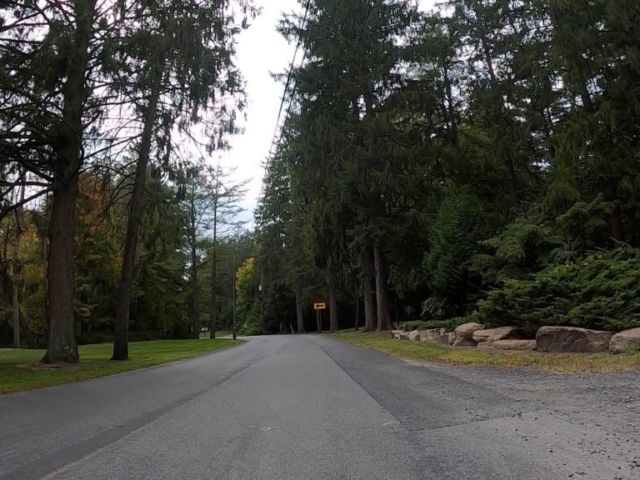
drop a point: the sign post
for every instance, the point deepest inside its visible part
(318, 307)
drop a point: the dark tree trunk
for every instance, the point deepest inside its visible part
(193, 297)
(299, 312)
(123, 300)
(26, 332)
(617, 226)
(214, 269)
(382, 294)
(450, 109)
(45, 286)
(367, 292)
(333, 311)
(194, 313)
(357, 313)
(66, 142)
(397, 322)
(6, 287)
(16, 273)
(62, 345)
(234, 293)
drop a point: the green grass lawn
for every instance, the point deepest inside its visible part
(219, 334)
(17, 373)
(429, 352)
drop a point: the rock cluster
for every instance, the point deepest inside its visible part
(548, 339)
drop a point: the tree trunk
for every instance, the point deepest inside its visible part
(367, 293)
(6, 287)
(45, 286)
(617, 227)
(357, 312)
(16, 316)
(62, 345)
(333, 311)
(450, 108)
(66, 142)
(382, 294)
(194, 314)
(26, 332)
(214, 269)
(233, 274)
(123, 300)
(193, 297)
(16, 273)
(299, 312)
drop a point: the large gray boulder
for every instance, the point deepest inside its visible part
(403, 336)
(464, 342)
(447, 339)
(491, 335)
(572, 340)
(431, 335)
(414, 336)
(629, 340)
(518, 345)
(466, 331)
(396, 334)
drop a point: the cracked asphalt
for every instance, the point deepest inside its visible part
(310, 407)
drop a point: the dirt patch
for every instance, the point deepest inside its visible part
(610, 401)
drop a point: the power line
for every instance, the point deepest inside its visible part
(288, 83)
(350, 64)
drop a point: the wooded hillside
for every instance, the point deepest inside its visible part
(479, 160)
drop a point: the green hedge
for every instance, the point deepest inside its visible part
(600, 291)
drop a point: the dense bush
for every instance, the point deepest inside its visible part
(525, 247)
(600, 291)
(454, 241)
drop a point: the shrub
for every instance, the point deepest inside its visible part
(600, 291)
(454, 241)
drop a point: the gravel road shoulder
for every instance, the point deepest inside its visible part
(610, 401)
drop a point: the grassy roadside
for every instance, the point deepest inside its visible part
(428, 352)
(219, 334)
(18, 372)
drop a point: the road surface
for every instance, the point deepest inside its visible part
(300, 408)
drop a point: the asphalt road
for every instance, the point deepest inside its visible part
(303, 408)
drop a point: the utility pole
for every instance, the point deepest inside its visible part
(233, 281)
(261, 293)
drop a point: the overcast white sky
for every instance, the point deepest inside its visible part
(262, 51)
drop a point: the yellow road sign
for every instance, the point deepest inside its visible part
(319, 306)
